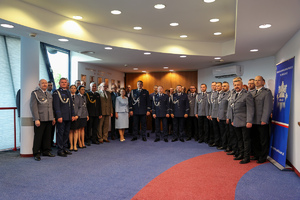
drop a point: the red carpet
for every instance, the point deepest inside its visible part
(210, 176)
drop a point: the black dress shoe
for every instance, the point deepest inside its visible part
(75, 150)
(133, 139)
(166, 140)
(254, 158)
(213, 145)
(96, 142)
(156, 140)
(148, 134)
(174, 140)
(200, 141)
(196, 139)
(231, 153)
(113, 138)
(188, 139)
(182, 140)
(144, 139)
(37, 158)
(67, 152)
(48, 154)
(227, 149)
(84, 147)
(62, 154)
(220, 148)
(239, 157)
(260, 161)
(244, 161)
(88, 144)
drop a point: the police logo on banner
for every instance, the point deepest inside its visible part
(282, 96)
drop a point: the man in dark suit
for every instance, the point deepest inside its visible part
(214, 115)
(263, 103)
(242, 119)
(41, 106)
(179, 112)
(202, 114)
(128, 93)
(192, 122)
(210, 96)
(64, 114)
(151, 99)
(161, 113)
(95, 114)
(139, 107)
(114, 95)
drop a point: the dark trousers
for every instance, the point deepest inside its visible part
(211, 132)
(130, 129)
(137, 120)
(192, 129)
(178, 127)
(52, 133)
(164, 121)
(244, 141)
(217, 136)
(92, 129)
(261, 141)
(224, 132)
(62, 135)
(113, 127)
(232, 139)
(42, 138)
(203, 129)
(153, 124)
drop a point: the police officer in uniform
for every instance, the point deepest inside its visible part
(42, 113)
(114, 96)
(64, 114)
(192, 129)
(139, 107)
(210, 122)
(222, 113)
(263, 103)
(214, 115)
(161, 113)
(95, 114)
(242, 119)
(202, 114)
(151, 99)
(179, 112)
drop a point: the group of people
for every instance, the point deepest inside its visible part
(236, 120)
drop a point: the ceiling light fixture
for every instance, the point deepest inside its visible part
(137, 28)
(183, 36)
(147, 53)
(265, 26)
(77, 17)
(159, 6)
(217, 33)
(166, 67)
(174, 24)
(108, 48)
(182, 56)
(214, 20)
(63, 40)
(115, 12)
(254, 50)
(217, 58)
(135, 68)
(209, 1)
(7, 26)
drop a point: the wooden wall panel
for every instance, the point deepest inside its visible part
(166, 79)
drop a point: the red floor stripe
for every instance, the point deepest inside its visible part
(210, 176)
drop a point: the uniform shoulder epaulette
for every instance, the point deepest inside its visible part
(267, 89)
(55, 92)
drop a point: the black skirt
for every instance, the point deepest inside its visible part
(75, 125)
(82, 122)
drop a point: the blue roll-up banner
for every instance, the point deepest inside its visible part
(281, 111)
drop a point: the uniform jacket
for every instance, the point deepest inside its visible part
(160, 105)
(263, 104)
(76, 105)
(63, 104)
(93, 103)
(83, 111)
(106, 103)
(201, 107)
(231, 98)
(179, 105)
(41, 106)
(192, 104)
(214, 104)
(139, 102)
(242, 109)
(122, 107)
(113, 99)
(223, 105)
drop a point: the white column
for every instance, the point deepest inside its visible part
(29, 81)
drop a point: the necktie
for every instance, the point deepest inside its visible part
(256, 91)
(73, 97)
(237, 94)
(46, 94)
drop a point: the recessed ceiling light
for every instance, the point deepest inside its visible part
(214, 20)
(174, 24)
(217, 33)
(209, 1)
(77, 17)
(144, 71)
(253, 50)
(108, 48)
(116, 12)
(217, 58)
(171, 70)
(147, 53)
(63, 40)
(265, 26)
(166, 67)
(159, 6)
(183, 36)
(7, 25)
(135, 68)
(182, 56)
(137, 28)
